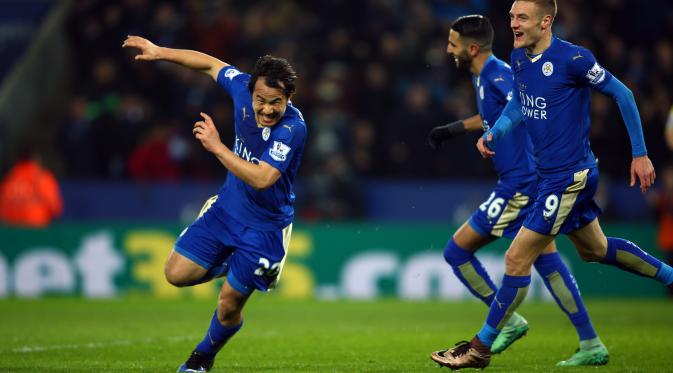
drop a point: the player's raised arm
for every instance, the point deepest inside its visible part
(440, 134)
(192, 59)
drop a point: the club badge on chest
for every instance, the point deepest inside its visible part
(266, 132)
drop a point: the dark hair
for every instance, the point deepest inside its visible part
(475, 27)
(277, 73)
(547, 6)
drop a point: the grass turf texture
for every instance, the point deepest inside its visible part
(146, 335)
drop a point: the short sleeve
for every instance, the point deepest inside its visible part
(232, 80)
(284, 144)
(511, 58)
(502, 86)
(585, 70)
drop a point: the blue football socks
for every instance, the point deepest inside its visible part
(563, 288)
(506, 301)
(216, 336)
(629, 257)
(470, 272)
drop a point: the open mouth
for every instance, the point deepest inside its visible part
(518, 35)
(266, 119)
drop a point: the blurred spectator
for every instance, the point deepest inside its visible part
(74, 140)
(373, 80)
(663, 201)
(365, 150)
(152, 159)
(333, 193)
(669, 130)
(29, 194)
(408, 151)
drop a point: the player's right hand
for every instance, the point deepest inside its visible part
(482, 145)
(148, 50)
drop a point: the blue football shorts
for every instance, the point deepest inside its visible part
(255, 258)
(564, 203)
(503, 213)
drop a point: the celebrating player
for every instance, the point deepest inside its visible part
(244, 231)
(553, 81)
(470, 40)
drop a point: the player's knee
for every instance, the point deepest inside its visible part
(589, 255)
(175, 277)
(516, 264)
(228, 311)
(454, 255)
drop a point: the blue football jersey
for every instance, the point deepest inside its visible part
(513, 154)
(554, 88)
(281, 146)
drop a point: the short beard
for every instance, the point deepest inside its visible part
(464, 62)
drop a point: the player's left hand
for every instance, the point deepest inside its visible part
(206, 132)
(483, 148)
(642, 168)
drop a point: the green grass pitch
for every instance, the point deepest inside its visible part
(147, 335)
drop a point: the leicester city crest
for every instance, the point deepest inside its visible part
(547, 68)
(266, 132)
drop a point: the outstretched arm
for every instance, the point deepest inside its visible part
(509, 118)
(192, 59)
(259, 176)
(440, 134)
(641, 166)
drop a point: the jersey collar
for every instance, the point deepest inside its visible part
(536, 57)
(490, 59)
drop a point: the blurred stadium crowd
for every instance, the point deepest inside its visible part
(374, 78)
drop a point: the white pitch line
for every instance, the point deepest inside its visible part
(28, 349)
